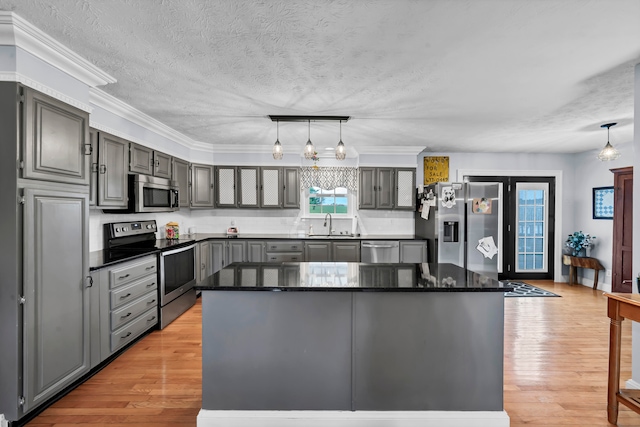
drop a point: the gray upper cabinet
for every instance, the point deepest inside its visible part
(226, 187)
(386, 188)
(271, 187)
(93, 177)
(291, 188)
(112, 171)
(56, 140)
(161, 165)
(201, 186)
(181, 176)
(149, 162)
(248, 180)
(56, 309)
(405, 191)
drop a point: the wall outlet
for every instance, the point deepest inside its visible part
(608, 273)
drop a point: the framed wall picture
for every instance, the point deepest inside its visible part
(603, 203)
(436, 169)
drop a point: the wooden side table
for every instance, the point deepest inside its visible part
(620, 307)
(584, 262)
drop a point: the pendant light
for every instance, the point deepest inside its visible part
(608, 152)
(341, 152)
(309, 149)
(277, 147)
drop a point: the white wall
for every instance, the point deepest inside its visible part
(635, 338)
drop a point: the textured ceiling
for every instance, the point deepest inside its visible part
(476, 75)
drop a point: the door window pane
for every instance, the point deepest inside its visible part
(532, 237)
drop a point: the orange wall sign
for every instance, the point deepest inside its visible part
(436, 169)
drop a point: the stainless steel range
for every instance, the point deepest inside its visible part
(177, 271)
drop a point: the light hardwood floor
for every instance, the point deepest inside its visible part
(555, 370)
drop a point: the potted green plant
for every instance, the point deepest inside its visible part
(578, 242)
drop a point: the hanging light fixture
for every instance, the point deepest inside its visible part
(277, 147)
(309, 149)
(341, 152)
(608, 152)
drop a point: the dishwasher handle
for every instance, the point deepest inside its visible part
(368, 245)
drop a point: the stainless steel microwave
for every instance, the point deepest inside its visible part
(152, 194)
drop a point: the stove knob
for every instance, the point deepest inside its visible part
(117, 230)
(153, 226)
(124, 229)
(148, 226)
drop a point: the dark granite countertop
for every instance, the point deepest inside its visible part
(286, 236)
(343, 276)
(106, 258)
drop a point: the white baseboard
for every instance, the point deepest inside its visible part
(207, 418)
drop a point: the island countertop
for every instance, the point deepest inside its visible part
(349, 277)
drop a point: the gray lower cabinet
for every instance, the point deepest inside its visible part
(94, 329)
(346, 251)
(204, 261)
(182, 177)
(56, 316)
(317, 251)
(413, 251)
(202, 186)
(390, 276)
(284, 251)
(236, 251)
(56, 145)
(128, 302)
(256, 251)
(218, 255)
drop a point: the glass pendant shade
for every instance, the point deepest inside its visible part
(309, 149)
(277, 147)
(608, 152)
(341, 151)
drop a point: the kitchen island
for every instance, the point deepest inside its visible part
(351, 344)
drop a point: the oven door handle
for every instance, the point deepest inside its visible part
(178, 250)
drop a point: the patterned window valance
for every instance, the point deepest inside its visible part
(329, 177)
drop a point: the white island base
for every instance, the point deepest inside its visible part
(209, 418)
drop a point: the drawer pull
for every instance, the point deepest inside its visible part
(294, 258)
(151, 284)
(125, 296)
(126, 336)
(152, 301)
(152, 318)
(123, 277)
(150, 267)
(125, 316)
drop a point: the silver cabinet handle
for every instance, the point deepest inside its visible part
(378, 246)
(123, 277)
(90, 285)
(125, 316)
(125, 296)
(151, 267)
(152, 318)
(126, 336)
(152, 301)
(151, 284)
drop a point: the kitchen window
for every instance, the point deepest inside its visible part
(322, 201)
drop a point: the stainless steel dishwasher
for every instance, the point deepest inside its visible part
(380, 251)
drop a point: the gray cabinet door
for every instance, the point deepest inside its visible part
(93, 178)
(56, 312)
(201, 186)
(256, 251)
(112, 171)
(218, 255)
(140, 159)
(181, 176)
(317, 251)
(56, 143)
(205, 261)
(161, 164)
(367, 188)
(405, 189)
(271, 187)
(385, 188)
(248, 183)
(291, 188)
(226, 187)
(95, 320)
(346, 251)
(413, 251)
(237, 251)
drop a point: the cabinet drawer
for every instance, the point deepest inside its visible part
(285, 257)
(126, 273)
(132, 310)
(294, 246)
(133, 329)
(128, 293)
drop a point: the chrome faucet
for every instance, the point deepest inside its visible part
(325, 222)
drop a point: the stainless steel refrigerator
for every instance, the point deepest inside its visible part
(462, 223)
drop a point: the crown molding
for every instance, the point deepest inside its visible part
(107, 102)
(15, 31)
(11, 76)
(392, 150)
